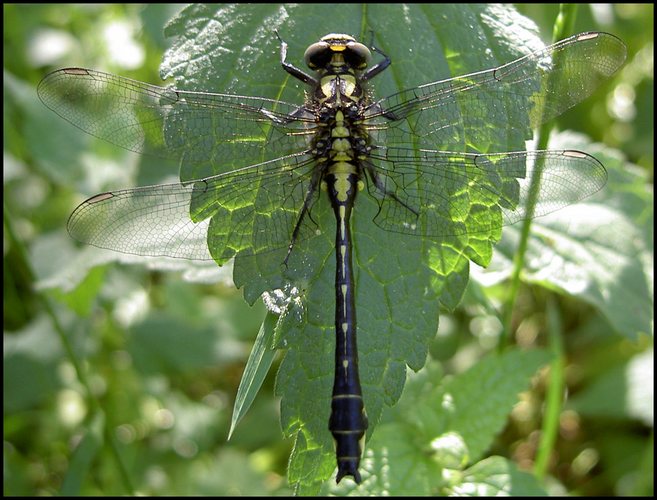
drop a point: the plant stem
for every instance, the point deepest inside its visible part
(562, 26)
(555, 391)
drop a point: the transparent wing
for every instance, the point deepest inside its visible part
(484, 110)
(253, 210)
(257, 208)
(197, 128)
(435, 193)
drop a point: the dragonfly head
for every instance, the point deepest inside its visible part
(337, 49)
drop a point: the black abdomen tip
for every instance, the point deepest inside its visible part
(348, 467)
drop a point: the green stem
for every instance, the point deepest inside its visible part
(562, 26)
(555, 391)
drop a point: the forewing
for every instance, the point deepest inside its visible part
(215, 132)
(485, 111)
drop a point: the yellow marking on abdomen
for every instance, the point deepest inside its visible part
(341, 170)
(343, 227)
(347, 396)
(342, 167)
(342, 186)
(343, 252)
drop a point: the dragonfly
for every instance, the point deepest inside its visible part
(409, 152)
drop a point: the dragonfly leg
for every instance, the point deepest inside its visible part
(378, 67)
(305, 211)
(379, 184)
(291, 68)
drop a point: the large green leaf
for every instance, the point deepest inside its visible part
(399, 280)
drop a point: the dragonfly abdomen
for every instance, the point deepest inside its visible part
(348, 421)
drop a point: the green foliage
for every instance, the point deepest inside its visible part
(131, 393)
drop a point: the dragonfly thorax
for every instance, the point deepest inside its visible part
(339, 139)
(338, 99)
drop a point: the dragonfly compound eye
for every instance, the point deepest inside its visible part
(357, 55)
(318, 55)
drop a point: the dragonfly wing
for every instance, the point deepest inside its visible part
(253, 209)
(437, 193)
(202, 129)
(486, 108)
